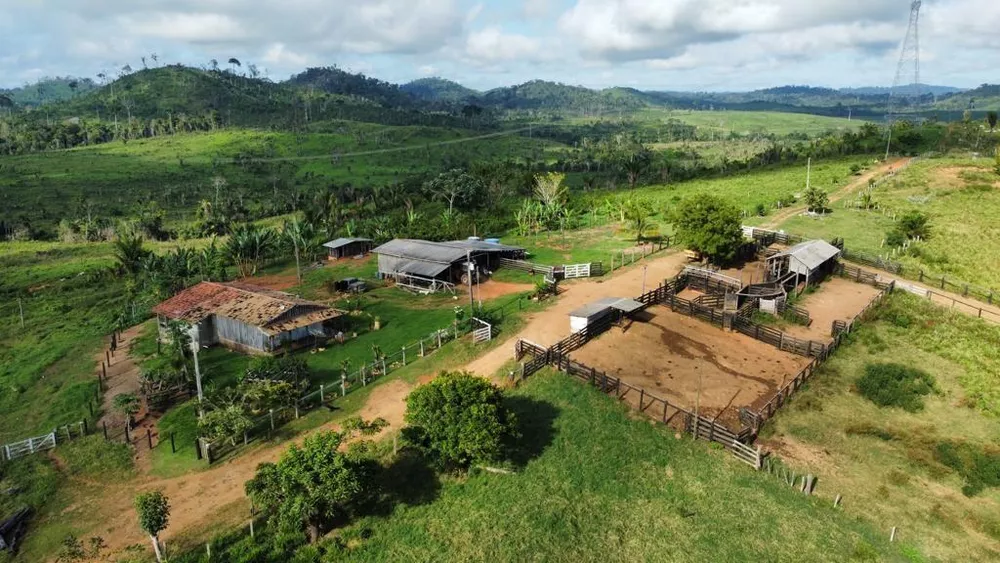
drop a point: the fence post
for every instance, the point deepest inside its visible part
(270, 413)
(173, 448)
(68, 435)
(127, 439)
(83, 427)
(197, 448)
(149, 437)
(422, 340)
(321, 398)
(105, 424)
(343, 385)
(439, 338)
(296, 409)
(404, 356)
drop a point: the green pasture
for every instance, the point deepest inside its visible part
(593, 482)
(888, 463)
(962, 198)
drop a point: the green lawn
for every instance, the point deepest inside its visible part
(599, 484)
(749, 122)
(962, 198)
(887, 462)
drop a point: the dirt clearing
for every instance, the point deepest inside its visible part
(837, 299)
(491, 289)
(552, 325)
(669, 353)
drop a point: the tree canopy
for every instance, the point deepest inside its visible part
(312, 486)
(459, 419)
(709, 225)
(154, 513)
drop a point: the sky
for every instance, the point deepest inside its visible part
(711, 45)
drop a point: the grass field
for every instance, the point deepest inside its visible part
(962, 198)
(764, 187)
(177, 171)
(888, 463)
(597, 484)
(750, 122)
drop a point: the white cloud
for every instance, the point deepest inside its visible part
(278, 54)
(492, 45)
(186, 27)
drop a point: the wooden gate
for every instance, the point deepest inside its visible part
(483, 332)
(577, 271)
(30, 446)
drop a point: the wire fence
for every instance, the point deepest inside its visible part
(324, 394)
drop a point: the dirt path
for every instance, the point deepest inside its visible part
(954, 301)
(196, 498)
(123, 377)
(552, 324)
(862, 181)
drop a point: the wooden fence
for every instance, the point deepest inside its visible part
(524, 266)
(645, 402)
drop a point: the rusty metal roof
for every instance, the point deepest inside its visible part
(272, 311)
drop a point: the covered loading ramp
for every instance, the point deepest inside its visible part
(590, 313)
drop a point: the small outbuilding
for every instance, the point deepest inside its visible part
(347, 247)
(590, 313)
(245, 318)
(432, 266)
(807, 261)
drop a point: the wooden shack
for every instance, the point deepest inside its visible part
(807, 262)
(348, 247)
(246, 318)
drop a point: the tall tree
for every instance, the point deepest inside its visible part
(460, 419)
(154, 513)
(709, 225)
(312, 486)
(991, 120)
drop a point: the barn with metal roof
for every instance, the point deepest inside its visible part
(345, 247)
(433, 266)
(811, 259)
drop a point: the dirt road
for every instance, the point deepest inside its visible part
(774, 221)
(552, 324)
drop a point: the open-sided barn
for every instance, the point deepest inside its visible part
(432, 266)
(245, 317)
(810, 260)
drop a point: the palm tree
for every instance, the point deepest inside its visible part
(247, 247)
(299, 234)
(233, 63)
(130, 253)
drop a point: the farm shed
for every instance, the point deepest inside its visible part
(346, 247)
(244, 317)
(812, 260)
(590, 313)
(430, 266)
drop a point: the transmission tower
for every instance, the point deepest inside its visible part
(909, 55)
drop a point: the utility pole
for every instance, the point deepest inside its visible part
(469, 270)
(197, 377)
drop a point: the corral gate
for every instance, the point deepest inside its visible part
(577, 271)
(30, 446)
(483, 332)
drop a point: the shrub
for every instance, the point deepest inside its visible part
(895, 385)
(709, 225)
(979, 467)
(459, 419)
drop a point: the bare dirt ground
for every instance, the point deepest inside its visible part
(552, 325)
(670, 353)
(859, 182)
(278, 283)
(836, 299)
(491, 289)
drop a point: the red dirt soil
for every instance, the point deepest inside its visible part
(667, 354)
(552, 325)
(491, 289)
(836, 299)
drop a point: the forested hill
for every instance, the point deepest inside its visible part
(986, 97)
(333, 80)
(439, 90)
(48, 90)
